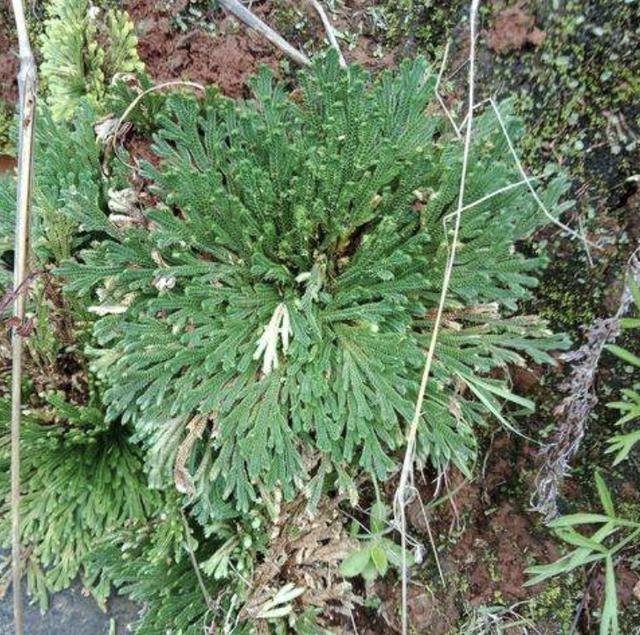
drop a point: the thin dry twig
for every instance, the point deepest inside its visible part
(10, 296)
(242, 13)
(585, 598)
(447, 112)
(27, 91)
(489, 196)
(406, 476)
(537, 199)
(432, 541)
(574, 410)
(211, 604)
(328, 27)
(129, 109)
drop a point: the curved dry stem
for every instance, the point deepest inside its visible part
(242, 13)
(328, 27)
(129, 109)
(406, 476)
(527, 180)
(447, 112)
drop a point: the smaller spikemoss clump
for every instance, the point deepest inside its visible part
(169, 589)
(83, 48)
(81, 479)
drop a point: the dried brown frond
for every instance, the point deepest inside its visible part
(306, 550)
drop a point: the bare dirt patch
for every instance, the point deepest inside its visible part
(227, 59)
(512, 29)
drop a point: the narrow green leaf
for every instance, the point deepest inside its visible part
(624, 354)
(609, 621)
(580, 518)
(578, 540)
(635, 291)
(575, 559)
(490, 405)
(605, 496)
(543, 571)
(630, 323)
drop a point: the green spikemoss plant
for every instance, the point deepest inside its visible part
(83, 47)
(81, 476)
(268, 317)
(68, 175)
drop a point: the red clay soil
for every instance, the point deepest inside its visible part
(495, 541)
(231, 55)
(7, 163)
(234, 53)
(227, 59)
(486, 540)
(513, 28)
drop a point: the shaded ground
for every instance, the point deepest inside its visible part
(71, 613)
(571, 70)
